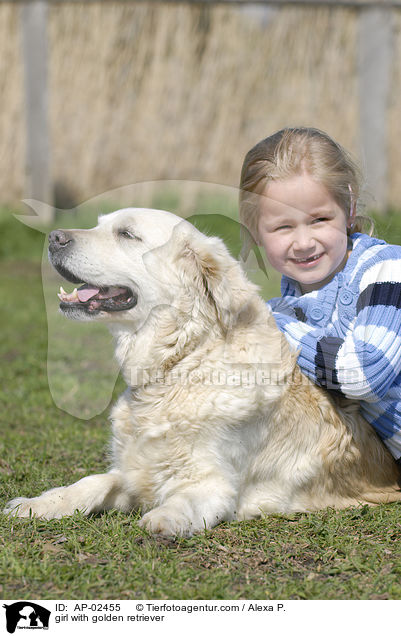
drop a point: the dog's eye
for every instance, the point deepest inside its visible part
(128, 234)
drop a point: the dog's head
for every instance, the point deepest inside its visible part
(136, 260)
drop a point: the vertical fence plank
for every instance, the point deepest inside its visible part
(34, 42)
(375, 45)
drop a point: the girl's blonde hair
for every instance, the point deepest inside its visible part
(291, 152)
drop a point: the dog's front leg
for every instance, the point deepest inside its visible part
(90, 494)
(191, 511)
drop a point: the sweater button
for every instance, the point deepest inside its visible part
(316, 313)
(346, 297)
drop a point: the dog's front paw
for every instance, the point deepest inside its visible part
(20, 507)
(49, 505)
(168, 523)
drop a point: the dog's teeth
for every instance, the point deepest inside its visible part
(73, 297)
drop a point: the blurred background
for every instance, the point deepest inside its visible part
(100, 94)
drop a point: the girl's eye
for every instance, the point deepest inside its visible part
(321, 219)
(283, 227)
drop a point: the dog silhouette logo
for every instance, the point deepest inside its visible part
(26, 615)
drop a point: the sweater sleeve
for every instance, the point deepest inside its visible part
(366, 360)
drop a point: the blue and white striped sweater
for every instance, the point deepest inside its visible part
(348, 333)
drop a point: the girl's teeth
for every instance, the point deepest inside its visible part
(306, 260)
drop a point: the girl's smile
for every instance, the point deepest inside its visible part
(303, 231)
(311, 260)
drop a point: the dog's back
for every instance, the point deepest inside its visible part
(319, 452)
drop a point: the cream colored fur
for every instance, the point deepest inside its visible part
(217, 422)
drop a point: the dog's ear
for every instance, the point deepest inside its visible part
(209, 266)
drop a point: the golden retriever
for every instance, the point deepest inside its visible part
(217, 423)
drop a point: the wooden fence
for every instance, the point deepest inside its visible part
(375, 45)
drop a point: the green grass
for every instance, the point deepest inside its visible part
(351, 554)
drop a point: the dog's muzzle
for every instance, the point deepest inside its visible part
(89, 298)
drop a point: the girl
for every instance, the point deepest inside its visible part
(341, 289)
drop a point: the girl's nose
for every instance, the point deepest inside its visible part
(303, 240)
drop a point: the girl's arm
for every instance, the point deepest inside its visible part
(365, 360)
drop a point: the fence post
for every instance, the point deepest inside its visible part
(375, 45)
(37, 163)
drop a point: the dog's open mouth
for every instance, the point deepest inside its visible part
(93, 299)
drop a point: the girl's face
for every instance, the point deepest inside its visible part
(303, 231)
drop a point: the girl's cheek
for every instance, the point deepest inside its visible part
(275, 252)
(280, 245)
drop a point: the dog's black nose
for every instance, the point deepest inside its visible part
(58, 239)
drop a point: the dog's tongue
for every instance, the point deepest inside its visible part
(84, 293)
